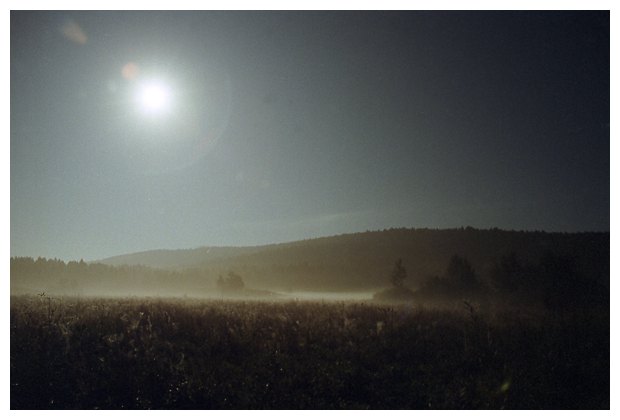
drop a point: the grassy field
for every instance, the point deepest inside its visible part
(157, 353)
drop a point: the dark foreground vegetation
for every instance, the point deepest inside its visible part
(147, 353)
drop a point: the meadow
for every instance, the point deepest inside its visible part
(151, 353)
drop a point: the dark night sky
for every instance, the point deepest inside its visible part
(283, 126)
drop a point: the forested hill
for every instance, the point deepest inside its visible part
(362, 261)
(177, 258)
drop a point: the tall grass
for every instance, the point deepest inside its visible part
(151, 353)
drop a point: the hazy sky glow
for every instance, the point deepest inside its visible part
(140, 130)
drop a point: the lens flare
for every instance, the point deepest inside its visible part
(130, 71)
(74, 32)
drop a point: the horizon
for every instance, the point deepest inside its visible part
(142, 130)
(259, 245)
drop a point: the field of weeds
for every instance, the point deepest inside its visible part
(157, 353)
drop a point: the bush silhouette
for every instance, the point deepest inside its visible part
(232, 283)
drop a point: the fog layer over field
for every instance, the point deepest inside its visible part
(326, 296)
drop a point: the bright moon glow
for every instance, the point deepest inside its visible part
(154, 97)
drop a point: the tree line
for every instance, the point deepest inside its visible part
(30, 275)
(555, 281)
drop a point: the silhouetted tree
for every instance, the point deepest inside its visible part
(459, 281)
(399, 273)
(461, 274)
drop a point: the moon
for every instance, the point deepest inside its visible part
(154, 97)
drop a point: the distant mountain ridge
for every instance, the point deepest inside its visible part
(363, 260)
(176, 259)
